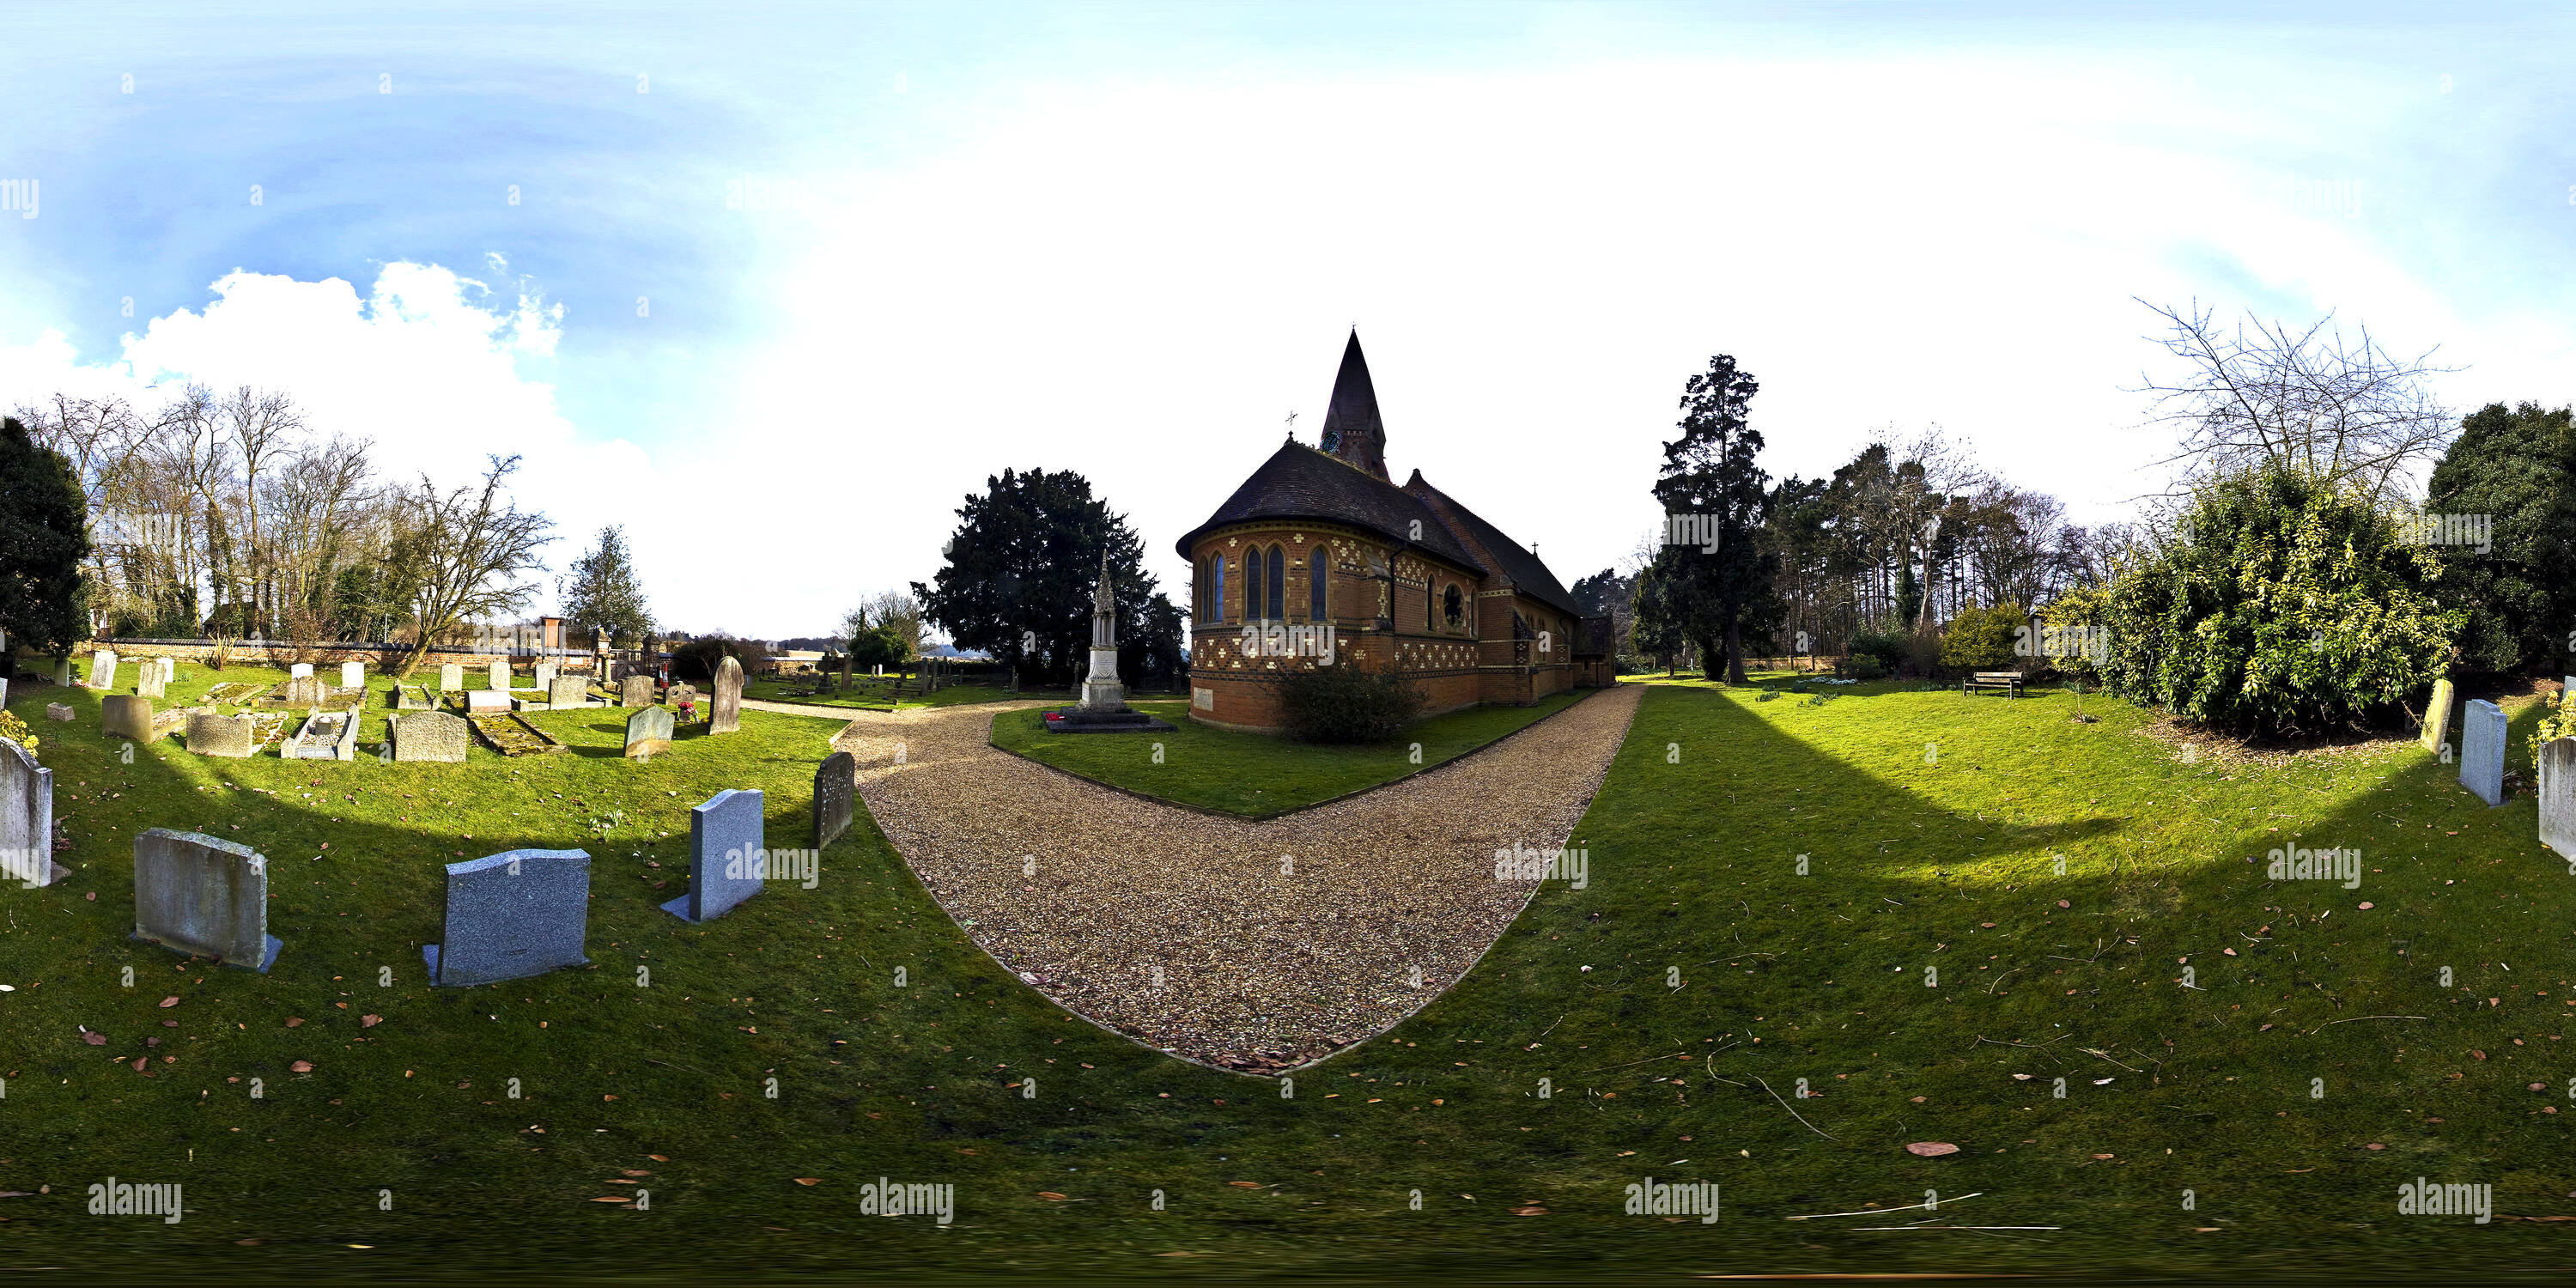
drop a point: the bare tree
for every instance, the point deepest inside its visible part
(464, 551)
(900, 610)
(2263, 394)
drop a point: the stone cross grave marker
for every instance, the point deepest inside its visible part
(2437, 717)
(648, 732)
(232, 737)
(203, 896)
(125, 716)
(428, 736)
(451, 678)
(635, 691)
(511, 915)
(26, 819)
(833, 790)
(102, 669)
(725, 716)
(2482, 739)
(726, 862)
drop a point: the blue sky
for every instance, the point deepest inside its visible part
(836, 263)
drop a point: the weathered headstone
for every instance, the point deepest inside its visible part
(169, 669)
(428, 735)
(834, 787)
(451, 678)
(203, 896)
(2558, 796)
(682, 694)
(635, 691)
(302, 691)
(510, 915)
(564, 692)
(125, 716)
(4, 691)
(546, 677)
(353, 675)
(57, 711)
(725, 715)
(486, 701)
(26, 819)
(2437, 717)
(148, 682)
(2482, 740)
(300, 671)
(233, 737)
(726, 861)
(102, 669)
(63, 673)
(648, 732)
(499, 675)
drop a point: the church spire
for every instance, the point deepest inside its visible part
(1352, 431)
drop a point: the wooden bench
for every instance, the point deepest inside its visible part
(1981, 681)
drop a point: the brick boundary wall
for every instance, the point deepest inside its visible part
(375, 655)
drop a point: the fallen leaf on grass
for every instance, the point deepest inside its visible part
(370, 1021)
(809, 1180)
(1051, 1196)
(615, 1198)
(301, 1066)
(1245, 1185)
(169, 1001)
(94, 1039)
(1931, 1148)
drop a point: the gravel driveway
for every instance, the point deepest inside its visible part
(1254, 946)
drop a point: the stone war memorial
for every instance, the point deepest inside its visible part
(511, 915)
(1103, 708)
(26, 819)
(724, 715)
(726, 861)
(203, 896)
(835, 794)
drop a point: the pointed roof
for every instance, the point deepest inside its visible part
(1519, 565)
(1299, 482)
(1353, 431)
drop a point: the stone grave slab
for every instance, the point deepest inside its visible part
(725, 714)
(510, 735)
(232, 737)
(26, 819)
(63, 673)
(326, 735)
(204, 896)
(428, 736)
(726, 860)
(635, 691)
(834, 790)
(512, 915)
(169, 669)
(486, 701)
(2437, 716)
(648, 732)
(2482, 742)
(125, 716)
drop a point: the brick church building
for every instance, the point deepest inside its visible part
(1409, 580)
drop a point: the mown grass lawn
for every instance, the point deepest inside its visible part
(1693, 878)
(864, 696)
(1256, 775)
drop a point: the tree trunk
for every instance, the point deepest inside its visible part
(1734, 654)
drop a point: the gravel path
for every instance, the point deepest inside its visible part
(1255, 946)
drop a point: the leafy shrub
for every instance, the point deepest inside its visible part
(1981, 639)
(1922, 653)
(2291, 608)
(1346, 704)
(1887, 648)
(15, 730)
(2558, 724)
(1861, 667)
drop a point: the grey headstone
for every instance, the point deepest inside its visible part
(683, 693)
(63, 673)
(125, 716)
(451, 678)
(353, 675)
(486, 701)
(2558, 796)
(302, 691)
(834, 789)
(511, 915)
(300, 670)
(564, 692)
(725, 716)
(147, 679)
(233, 737)
(428, 735)
(726, 860)
(2437, 717)
(102, 669)
(546, 676)
(57, 711)
(4, 692)
(2482, 739)
(499, 675)
(635, 691)
(169, 669)
(204, 896)
(648, 731)
(26, 818)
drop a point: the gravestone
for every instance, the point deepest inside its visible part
(725, 858)
(2482, 740)
(683, 693)
(125, 716)
(2437, 717)
(648, 732)
(63, 673)
(565, 692)
(300, 671)
(232, 737)
(57, 711)
(635, 691)
(301, 691)
(102, 669)
(2558, 796)
(353, 675)
(428, 736)
(4, 692)
(511, 915)
(546, 676)
(169, 669)
(203, 896)
(486, 701)
(26, 819)
(499, 676)
(451, 678)
(148, 680)
(326, 735)
(725, 715)
(834, 788)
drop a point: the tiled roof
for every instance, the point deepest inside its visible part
(1298, 482)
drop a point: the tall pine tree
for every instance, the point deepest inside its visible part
(1725, 593)
(606, 595)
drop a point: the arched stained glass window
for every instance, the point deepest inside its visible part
(1318, 597)
(1278, 597)
(1252, 585)
(1216, 591)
